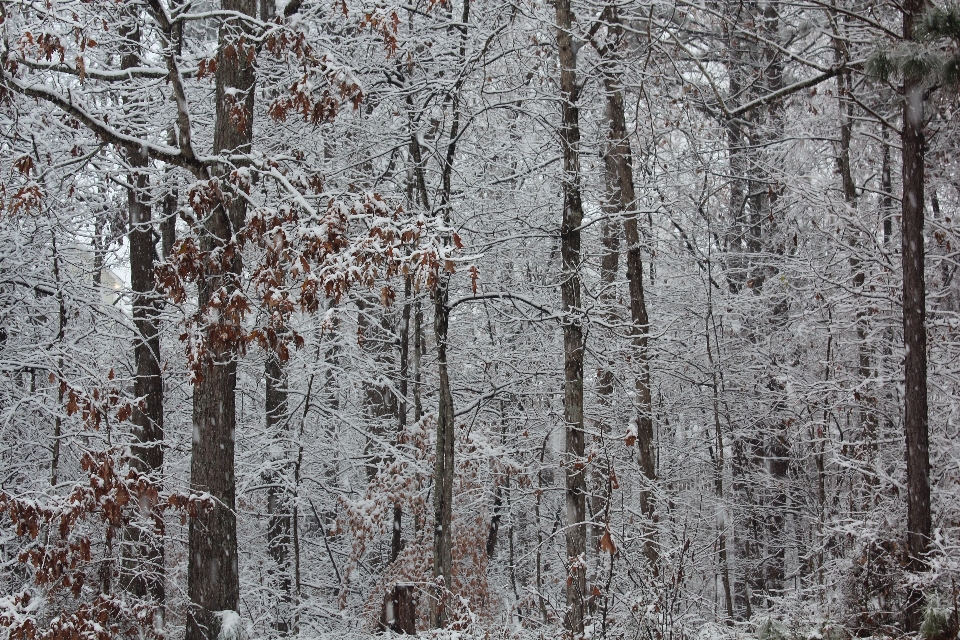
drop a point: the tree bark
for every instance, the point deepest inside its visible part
(143, 572)
(573, 347)
(886, 188)
(444, 471)
(755, 68)
(148, 383)
(914, 329)
(396, 538)
(279, 500)
(618, 165)
(61, 335)
(168, 223)
(213, 573)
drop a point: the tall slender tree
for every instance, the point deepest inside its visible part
(914, 319)
(144, 574)
(573, 338)
(618, 177)
(213, 571)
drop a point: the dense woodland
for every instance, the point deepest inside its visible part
(502, 318)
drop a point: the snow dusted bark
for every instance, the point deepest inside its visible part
(213, 578)
(396, 538)
(570, 291)
(143, 567)
(618, 168)
(279, 498)
(444, 469)
(914, 329)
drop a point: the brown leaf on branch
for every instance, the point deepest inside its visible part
(606, 543)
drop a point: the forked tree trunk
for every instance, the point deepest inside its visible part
(213, 574)
(618, 166)
(914, 330)
(444, 470)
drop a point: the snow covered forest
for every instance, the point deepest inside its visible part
(628, 319)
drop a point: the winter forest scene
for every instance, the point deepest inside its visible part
(479, 319)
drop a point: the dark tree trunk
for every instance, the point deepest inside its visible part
(444, 471)
(396, 538)
(574, 462)
(279, 500)
(399, 613)
(914, 330)
(213, 574)
(61, 335)
(618, 165)
(869, 420)
(610, 239)
(143, 564)
(148, 383)
(495, 521)
(886, 188)
(168, 224)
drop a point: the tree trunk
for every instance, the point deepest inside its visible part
(213, 574)
(574, 462)
(168, 224)
(611, 230)
(886, 188)
(722, 524)
(755, 68)
(61, 335)
(618, 165)
(396, 539)
(143, 563)
(279, 500)
(148, 383)
(914, 330)
(869, 420)
(444, 472)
